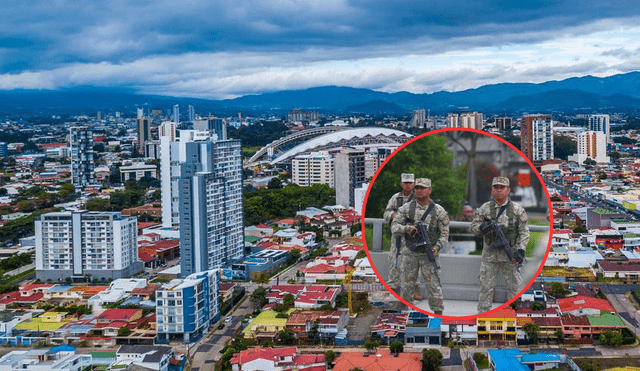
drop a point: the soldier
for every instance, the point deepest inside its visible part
(512, 219)
(393, 205)
(434, 216)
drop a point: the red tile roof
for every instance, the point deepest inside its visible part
(325, 268)
(451, 321)
(581, 302)
(548, 321)
(571, 320)
(271, 354)
(347, 361)
(502, 313)
(118, 314)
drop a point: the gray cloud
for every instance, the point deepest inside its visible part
(49, 34)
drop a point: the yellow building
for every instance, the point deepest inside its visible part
(497, 328)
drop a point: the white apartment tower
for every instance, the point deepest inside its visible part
(76, 244)
(591, 144)
(600, 123)
(542, 139)
(314, 168)
(82, 164)
(419, 119)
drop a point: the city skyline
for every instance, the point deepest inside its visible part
(229, 49)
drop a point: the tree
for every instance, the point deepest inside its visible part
(563, 147)
(538, 306)
(559, 336)
(431, 359)
(274, 183)
(396, 346)
(288, 300)
(294, 256)
(329, 356)
(124, 331)
(557, 290)
(611, 338)
(286, 337)
(532, 330)
(259, 296)
(371, 345)
(427, 157)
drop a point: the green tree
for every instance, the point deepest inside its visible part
(563, 147)
(124, 331)
(371, 345)
(559, 336)
(259, 296)
(294, 256)
(288, 300)
(557, 290)
(274, 183)
(427, 157)
(611, 338)
(286, 337)
(532, 330)
(538, 306)
(431, 359)
(329, 356)
(396, 346)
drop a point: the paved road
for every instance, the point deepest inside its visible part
(454, 358)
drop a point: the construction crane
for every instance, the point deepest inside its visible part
(347, 281)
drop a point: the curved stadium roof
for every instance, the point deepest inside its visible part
(340, 137)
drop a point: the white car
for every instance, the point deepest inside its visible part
(228, 319)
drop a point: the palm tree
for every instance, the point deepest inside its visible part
(532, 330)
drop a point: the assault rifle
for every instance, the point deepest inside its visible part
(423, 241)
(501, 241)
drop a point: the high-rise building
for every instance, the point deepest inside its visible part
(192, 114)
(77, 244)
(210, 205)
(504, 123)
(536, 137)
(176, 113)
(314, 168)
(186, 308)
(298, 115)
(593, 145)
(470, 120)
(600, 123)
(82, 164)
(4, 149)
(419, 119)
(213, 125)
(140, 113)
(374, 158)
(349, 175)
(144, 133)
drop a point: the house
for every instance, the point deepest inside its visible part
(382, 360)
(460, 330)
(584, 305)
(9, 319)
(497, 327)
(325, 272)
(265, 326)
(277, 359)
(330, 322)
(628, 272)
(390, 327)
(422, 329)
(54, 359)
(149, 356)
(323, 295)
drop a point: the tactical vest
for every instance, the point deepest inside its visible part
(511, 231)
(433, 231)
(400, 200)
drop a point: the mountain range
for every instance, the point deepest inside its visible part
(615, 93)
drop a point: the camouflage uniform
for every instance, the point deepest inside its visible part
(393, 205)
(513, 222)
(438, 226)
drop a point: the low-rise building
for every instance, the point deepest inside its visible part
(149, 356)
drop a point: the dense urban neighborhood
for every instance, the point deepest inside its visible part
(166, 239)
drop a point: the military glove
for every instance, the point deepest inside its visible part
(436, 251)
(519, 256)
(485, 229)
(411, 231)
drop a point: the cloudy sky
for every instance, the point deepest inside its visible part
(227, 48)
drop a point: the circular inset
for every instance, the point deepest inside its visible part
(455, 207)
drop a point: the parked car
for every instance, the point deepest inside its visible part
(228, 319)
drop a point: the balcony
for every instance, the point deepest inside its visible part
(459, 273)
